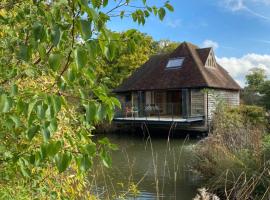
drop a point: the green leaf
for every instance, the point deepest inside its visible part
(39, 32)
(85, 26)
(149, 9)
(16, 120)
(131, 46)
(25, 52)
(155, 10)
(161, 13)
(54, 148)
(41, 112)
(116, 102)
(84, 163)
(146, 13)
(9, 124)
(30, 110)
(56, 103)
(105, 3)
(80, 58)
(46, 134)
(55, 61)
(91, 112)
(104, 141)
(71, 74)
(112, 50)
(32, 132)
(122, 13)
(50, 149)
(24, 169)
(37, 158)
(134, 16)
(32, 159)
(53, 125)
(62, 161)
(169, 7)
(14, 90)
(50, 113)
(42, 51)
(22, 107)
(5, 103)
(55, 35)
(90, 149)
(96, 3)
(92, 47)
(102, 111)
(106, 159)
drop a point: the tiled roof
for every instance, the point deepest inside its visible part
(154, 75)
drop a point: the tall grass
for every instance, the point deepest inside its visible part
(234, 158)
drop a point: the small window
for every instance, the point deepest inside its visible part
(175, 62)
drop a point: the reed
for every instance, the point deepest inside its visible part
(234, 158)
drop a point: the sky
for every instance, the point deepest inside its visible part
(238, 30)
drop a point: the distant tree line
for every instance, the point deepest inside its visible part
(257, 89)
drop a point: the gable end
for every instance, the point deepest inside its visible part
(211, 60)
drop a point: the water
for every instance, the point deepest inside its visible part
(149, 168)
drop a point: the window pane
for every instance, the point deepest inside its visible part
(176, 62)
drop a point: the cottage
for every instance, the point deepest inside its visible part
(181, 88)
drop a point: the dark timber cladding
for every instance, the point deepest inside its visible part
(168, 89)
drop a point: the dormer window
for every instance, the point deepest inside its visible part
(211, 61)
(175, 63)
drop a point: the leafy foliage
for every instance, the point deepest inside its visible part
(166, 46)
(257, 91)
(131, 56)
(51, 97)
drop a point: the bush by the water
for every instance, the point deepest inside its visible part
(235, 157)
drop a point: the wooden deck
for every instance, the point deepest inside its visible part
(187, 124)
(160, 119)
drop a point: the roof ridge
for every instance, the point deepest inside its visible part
(198, 64)
(204, 48)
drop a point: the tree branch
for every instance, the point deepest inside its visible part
(39, 59)
(120, 4)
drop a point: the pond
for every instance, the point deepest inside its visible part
(147, 169)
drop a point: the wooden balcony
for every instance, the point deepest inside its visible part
(165, 113)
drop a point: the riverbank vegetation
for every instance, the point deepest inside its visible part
(235, 158)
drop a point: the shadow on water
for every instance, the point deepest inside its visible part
(144, 168)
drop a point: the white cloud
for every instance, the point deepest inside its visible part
(239, 67)
(242, 5)
(210, 43)
(173, 23)
(234, 5)
(265, 2)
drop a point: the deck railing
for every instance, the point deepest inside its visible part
(157, 110)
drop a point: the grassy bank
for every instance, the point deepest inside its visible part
(235, 158)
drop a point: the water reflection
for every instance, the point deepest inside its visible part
(147, 169)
